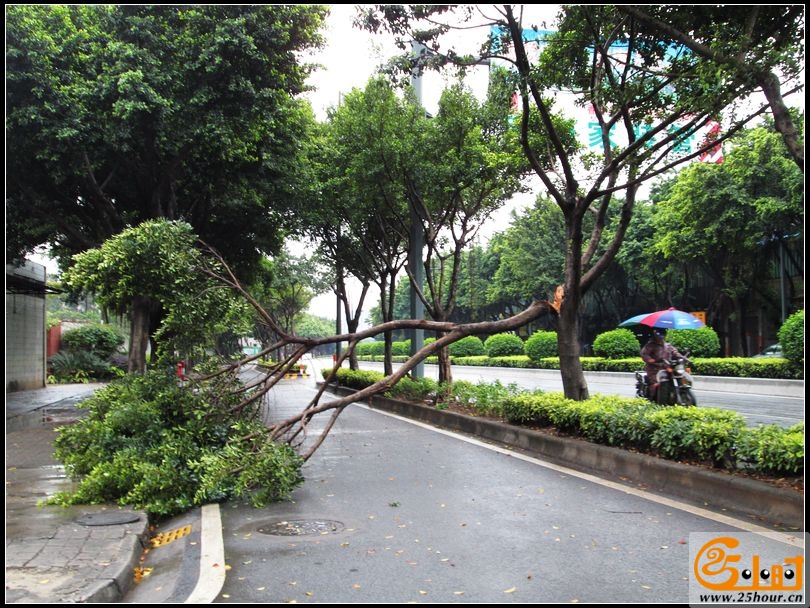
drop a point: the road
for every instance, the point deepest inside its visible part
(396, 511)
(756, 408)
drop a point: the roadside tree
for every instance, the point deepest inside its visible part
(647, 93)
(119, 114)
(722, 219)
(157, 264)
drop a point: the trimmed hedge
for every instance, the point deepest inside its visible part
(541, 344)
(708, 435)
(503, 345)
(616, 344)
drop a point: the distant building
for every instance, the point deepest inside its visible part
(25, 326)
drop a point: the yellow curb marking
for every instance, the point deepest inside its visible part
(165, 538)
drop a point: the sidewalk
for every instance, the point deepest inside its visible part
(78, 554)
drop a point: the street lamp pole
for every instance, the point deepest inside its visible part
(417, 242)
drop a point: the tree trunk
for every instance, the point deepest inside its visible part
(351, 326)
(573, 379)
(139, 335)
(445, 369)
(782, 120)
(388, 366)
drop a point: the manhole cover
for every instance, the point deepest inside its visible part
(301, 527)
(107, 519)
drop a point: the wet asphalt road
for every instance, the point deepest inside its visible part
(393, 512)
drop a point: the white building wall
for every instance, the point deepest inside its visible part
(25, 330)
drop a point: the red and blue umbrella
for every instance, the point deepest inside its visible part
(667, 319)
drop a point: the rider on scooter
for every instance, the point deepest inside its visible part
(653, 353)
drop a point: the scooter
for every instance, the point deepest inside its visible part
(674, 383)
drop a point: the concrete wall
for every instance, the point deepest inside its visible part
(25, 327)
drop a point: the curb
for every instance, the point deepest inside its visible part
(714, 490)
(106, 591)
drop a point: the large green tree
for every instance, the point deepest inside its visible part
(117, 114)
(725, 219)
(361, 220)
(157, 264)
(120, 114)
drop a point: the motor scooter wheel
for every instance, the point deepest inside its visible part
(686, 396)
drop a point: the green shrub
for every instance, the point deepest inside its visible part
(541, 344)
(401, 348)
(534, 408)
(480, 360)
(79, 367)
(376, 348)
(702, 434)
(503, 345)
(413, 389)
(701, 342)
(618, 421)
(468, 346)
(363, 349)
(773, 450)
(486, 398)
(101, 340)
(151, 444)
(521, 361)
(791, 337)
(618, 343)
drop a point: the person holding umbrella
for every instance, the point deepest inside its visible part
(653, 352)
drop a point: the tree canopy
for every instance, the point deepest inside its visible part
(117, 114)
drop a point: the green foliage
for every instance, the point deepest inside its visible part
(530, 254)
(274, 469)
(156, 266)
(773, 450)
(118, 114)
(706, 435)
(376, 348)
(101, 340)
(485, 397)
(702, 342)
(401, 348)
(468, 346)
(791, 337)
(71, 367)
(541, 344)
(521, 361)
(481, 360)
(503, 345)
(616, 344)
(151, 444)
(703, 434)
(55, 317)
(413, 389)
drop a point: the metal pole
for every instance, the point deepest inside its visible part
(337, 326)
(782, 286)
(417, 243)
(338, 283)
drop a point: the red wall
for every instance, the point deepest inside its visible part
(54, 340)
